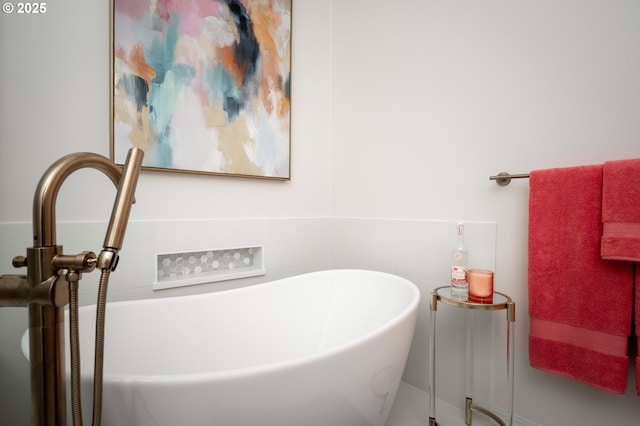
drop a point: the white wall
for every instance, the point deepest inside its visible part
(430, 98)
(401, 111)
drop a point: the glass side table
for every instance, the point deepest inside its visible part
(500, 301)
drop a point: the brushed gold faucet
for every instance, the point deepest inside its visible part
(45, 287)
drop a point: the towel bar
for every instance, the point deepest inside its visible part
(504, 179)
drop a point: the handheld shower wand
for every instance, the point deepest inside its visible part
(108, 258)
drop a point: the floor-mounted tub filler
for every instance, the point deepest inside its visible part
(324, 348)
(52, 282)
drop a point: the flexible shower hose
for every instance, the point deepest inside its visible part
(76, 406)
(75, 351)
(99, 351)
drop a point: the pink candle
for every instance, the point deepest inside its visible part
(480, 286)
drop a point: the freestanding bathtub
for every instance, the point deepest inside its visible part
(326, 348)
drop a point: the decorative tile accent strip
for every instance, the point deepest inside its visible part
(207, 266)
(178, 264)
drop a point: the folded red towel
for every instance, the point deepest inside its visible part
(621, 210)
(580, 305)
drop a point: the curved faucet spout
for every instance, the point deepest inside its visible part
(44, 216)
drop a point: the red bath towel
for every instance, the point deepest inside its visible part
(621, 223)
(621, 210)
(580, 305)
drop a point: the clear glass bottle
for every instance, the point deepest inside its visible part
(459, 265)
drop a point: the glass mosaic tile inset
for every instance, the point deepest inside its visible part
(208, 265)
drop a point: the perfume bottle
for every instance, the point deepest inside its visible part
(459, 264)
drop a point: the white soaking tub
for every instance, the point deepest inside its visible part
(325, 348)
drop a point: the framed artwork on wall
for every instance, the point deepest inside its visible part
(203, 86)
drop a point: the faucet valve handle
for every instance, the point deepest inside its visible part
(19, 262)
(83, 262)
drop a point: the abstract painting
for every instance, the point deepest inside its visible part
(203, 86)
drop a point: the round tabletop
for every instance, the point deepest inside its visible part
(444, 294)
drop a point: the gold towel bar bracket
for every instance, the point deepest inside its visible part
(504, 179)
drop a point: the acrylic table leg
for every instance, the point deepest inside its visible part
(433, 306)
(511, 318)
(469, 368)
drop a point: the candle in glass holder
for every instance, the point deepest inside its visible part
(480, 286)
